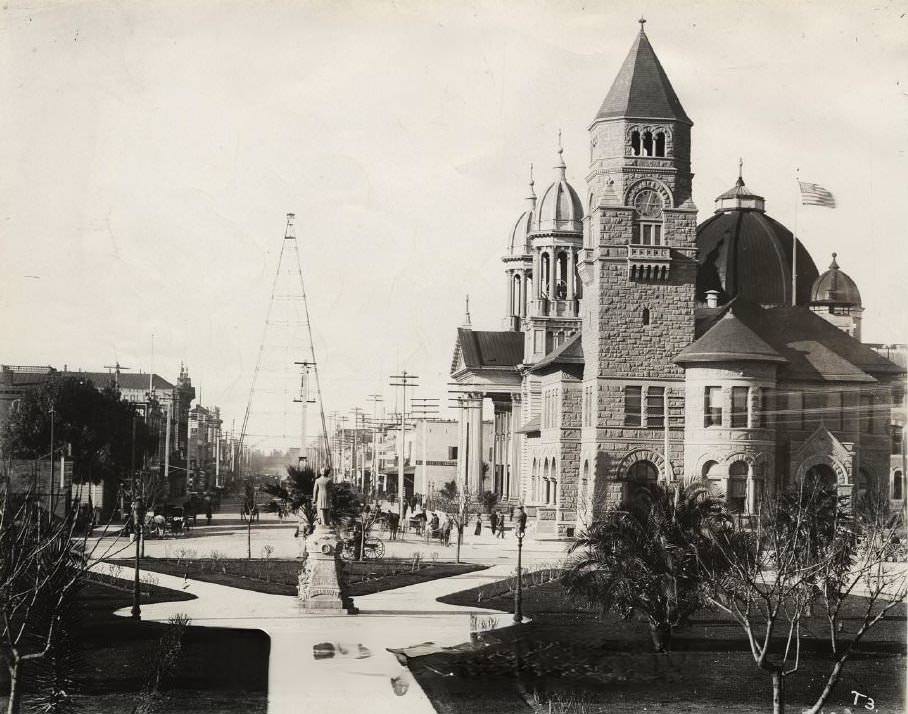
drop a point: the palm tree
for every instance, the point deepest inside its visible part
(642, 556)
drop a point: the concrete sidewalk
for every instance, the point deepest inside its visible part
(359, 671)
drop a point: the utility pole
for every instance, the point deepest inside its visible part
(117, 368)
(375, 399)
(304, 400)
(361, 476)
(423, 408)
(167, 446)
(404, 380)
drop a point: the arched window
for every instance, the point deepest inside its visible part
(712, 475)
(897, 485)
(635, 142)
(647, 143)
(660, 143)
(516, 308)
(561, 276)
(645, 316)
(737, 486)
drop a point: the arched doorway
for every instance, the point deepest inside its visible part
(821, 476)
(639, 473)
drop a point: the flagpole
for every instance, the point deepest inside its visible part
(794, 244)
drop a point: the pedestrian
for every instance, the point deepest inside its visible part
(433, 526)
(393, 523)
(501, 525)
(493, 522)
(243, 511)
(208, 513)
(521, 528)
(405, 516)
(255, 513)
(446, 533)
(478, 530)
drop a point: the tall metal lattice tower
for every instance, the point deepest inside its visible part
(286, 367)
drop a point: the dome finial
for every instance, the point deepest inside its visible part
(561, 165)
(834, 264)
(642, 22)
(532, 196)
(466, 319)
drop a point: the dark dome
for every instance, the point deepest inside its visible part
(835, 287)
(743, 252)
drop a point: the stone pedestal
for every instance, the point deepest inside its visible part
(319, 580)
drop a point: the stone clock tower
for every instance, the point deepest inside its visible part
(638, 271)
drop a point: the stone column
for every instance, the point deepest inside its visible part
(496, 447)
(476, 446)
(462, 465)
(516, 423)
(522, 310)
(553, 275)
(570, 277)
(751, 503)
(510, 275)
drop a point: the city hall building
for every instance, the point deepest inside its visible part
(639, 346)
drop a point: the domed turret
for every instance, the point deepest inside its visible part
(835, 287)
(519, 262)
(742, 251)
(835, 297)
(560, 208)
(519, 242)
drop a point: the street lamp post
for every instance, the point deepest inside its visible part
(50, 505)
(137, 524)
(137, 521)
(518, 593)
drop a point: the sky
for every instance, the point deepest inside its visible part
(150, 151)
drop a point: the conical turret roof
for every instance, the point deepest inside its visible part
(642, 90)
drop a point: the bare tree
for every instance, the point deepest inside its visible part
(854, 566)
(459, 505)
(41, 564)
(804, 546)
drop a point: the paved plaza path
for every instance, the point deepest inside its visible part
(354, 671)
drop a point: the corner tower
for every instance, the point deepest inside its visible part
(639, 274)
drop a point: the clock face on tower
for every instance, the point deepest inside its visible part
(648, 204)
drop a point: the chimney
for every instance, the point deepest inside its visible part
(712, 298)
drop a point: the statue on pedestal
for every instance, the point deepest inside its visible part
(319, 586)
(321, 497)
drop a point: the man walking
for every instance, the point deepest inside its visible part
(521, 522)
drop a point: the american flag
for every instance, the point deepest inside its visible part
(815, 195)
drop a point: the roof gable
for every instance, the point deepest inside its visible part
(728, 340)
(567, 354)
(641, 89)
(487, 349)
(812, 348)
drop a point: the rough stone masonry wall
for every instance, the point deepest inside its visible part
(627, 347)
(569, 453)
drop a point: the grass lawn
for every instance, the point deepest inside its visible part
(279, 576)
(217, 670)
(575, 661)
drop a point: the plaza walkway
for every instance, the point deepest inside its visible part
(343, 660)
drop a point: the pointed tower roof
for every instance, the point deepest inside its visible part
(729, 340)
(642, 90)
